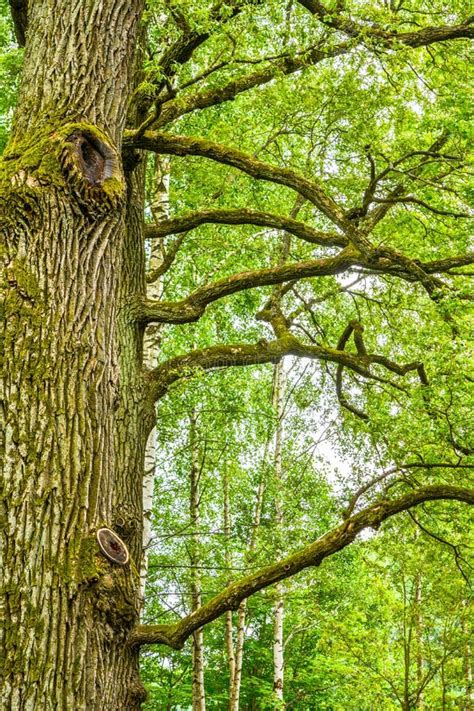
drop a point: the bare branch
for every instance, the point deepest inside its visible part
(174, 635)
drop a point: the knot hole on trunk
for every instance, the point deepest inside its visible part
(94, 158)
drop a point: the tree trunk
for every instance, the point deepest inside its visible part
(419, 636)
(237, 658)
(278, 612)
(467, 703)
(75, 414)
(228, 635)
(160, 211)
(199, 696)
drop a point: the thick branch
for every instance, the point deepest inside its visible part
(242, 354)
(244, 216)
(173, 109)
(192, 307)
(420, 38)
(185, 146)
(174, 635)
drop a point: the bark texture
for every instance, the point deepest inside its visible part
(72, 399)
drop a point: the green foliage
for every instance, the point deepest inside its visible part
(10, 65)
(348, 625)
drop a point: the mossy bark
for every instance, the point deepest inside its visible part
(74, 412)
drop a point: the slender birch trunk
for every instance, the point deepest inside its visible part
(198, 693)
(229, 624)
(468, 704)
(160, 211)
(235, 658)
(278, 613)
(419, 638)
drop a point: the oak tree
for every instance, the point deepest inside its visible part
(340, 125)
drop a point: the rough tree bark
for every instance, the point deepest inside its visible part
(74, 415)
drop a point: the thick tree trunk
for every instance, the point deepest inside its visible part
(74, 410)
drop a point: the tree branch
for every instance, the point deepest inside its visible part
(174, 635)
(193, 306)
(173, 109)
(245, 216)
(420, 38)
(286, 343)
(168, 259)
(19, 11)
(185, 146)
(176, 107)
(416, 201)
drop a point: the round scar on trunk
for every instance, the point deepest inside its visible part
(95, 160)
(112, 546)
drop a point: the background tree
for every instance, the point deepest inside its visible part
(372, 143)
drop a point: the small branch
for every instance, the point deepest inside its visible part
(167, 262)
(353, 327)
(174, 635)
(378, 213)
(416, 201)
(457, 556)
(393, 470)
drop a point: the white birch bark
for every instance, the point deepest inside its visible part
(160, 211)
(199, 695)
(278, 612)
(238, 655)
